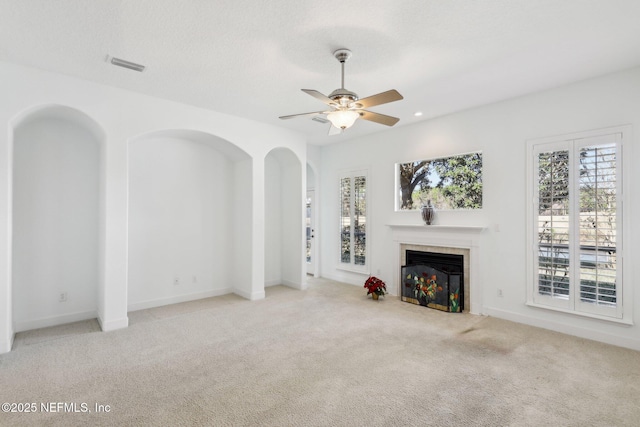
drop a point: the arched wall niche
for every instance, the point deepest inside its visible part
(57, 220)
(283, 213)
(189, 218)
(58, 112)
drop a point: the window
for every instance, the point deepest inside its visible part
(353, 220)
(577, 224)
(450, 183)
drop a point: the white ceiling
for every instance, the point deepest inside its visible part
(251, 58)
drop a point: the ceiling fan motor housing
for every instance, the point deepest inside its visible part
(342, 55)
(343, 97)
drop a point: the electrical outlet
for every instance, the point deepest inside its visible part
(500, 293)
(62, 297)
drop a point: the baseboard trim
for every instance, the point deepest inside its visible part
(287, 283)
(294, 285)
(251, 296)
(46, 322)
(143, 305)
(5, 347)
(113, 325)
(563, 328)
(345, 279)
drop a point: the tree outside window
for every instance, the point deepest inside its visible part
(450, 183)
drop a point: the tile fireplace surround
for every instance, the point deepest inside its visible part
(448, 239)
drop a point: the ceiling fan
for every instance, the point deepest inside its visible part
(346, 107)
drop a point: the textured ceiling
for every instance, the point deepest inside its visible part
(251, 58)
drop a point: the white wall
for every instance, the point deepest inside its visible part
(313, 182)
(500, 131)
(311, 178)
(293, 224)
(180, 212)
(248, 226)
(56, 222)
(273, 221)
(125, 116)
(283, 220)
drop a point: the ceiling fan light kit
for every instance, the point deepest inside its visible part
(343, 119)
(345, 105)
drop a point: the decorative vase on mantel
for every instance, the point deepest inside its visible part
(428, 212)
(375, 296)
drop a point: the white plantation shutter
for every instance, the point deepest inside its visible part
(598, 224)
(577, 225)
(553, 225)
(345, 220)
(360, 220)
(353, 220)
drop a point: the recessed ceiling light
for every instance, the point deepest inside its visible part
(126, 64)
(417, 113)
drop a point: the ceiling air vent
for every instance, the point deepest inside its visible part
(126, 64)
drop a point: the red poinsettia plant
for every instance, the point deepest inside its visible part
(375, 286)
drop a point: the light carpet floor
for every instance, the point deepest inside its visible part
(328, 356)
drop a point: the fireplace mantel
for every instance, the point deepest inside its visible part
(444, 236)
(439, 228)
(455, 236)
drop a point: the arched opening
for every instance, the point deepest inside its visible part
(189, 216)
(284, 245)
(57, 223)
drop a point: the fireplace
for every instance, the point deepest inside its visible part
(449, 265)
(443, 239)
(434, 280)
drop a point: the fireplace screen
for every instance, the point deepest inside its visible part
(432, 287)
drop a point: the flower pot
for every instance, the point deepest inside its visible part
(375, 296)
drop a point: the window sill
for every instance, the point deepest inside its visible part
(625, 322)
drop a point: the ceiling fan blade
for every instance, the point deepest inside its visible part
(381, 98)
(378, 118)
(302, 114)
(334, 130)
(319, 96)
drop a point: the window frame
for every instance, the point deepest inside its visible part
(574, 143)
(352, 175)
(397, 184)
